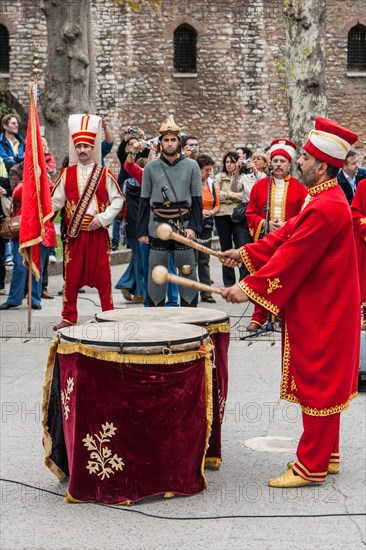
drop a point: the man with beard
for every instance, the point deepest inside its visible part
(298, 272)
(286, 197)
(92, 199)
(171, 193)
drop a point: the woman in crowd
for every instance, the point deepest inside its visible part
(229, 231)
(210, 207)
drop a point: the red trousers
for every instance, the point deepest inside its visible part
(318, 446)
(87, 263)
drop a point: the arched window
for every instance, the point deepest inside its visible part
(4, 49)
(357, 49)
(185, 49)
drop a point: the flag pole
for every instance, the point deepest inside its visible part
(30, 290)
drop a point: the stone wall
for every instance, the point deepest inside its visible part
(238, 96)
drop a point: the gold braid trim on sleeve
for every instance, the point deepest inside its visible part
(259, 231)
(246, 260)
(258, 299)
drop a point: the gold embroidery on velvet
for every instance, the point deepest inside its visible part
(259, 299)
(251, 231)
(102, 463)
(67, 257)
(329, 184)
(246, 260)
(363, 221)
(293, 385)
(273, 284)
(285, 370)
(65, 396)
(272, 199)
(312, 411)
(70, 207)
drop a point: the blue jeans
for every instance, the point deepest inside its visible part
(19, 277)
(133, 276)
(115, 233)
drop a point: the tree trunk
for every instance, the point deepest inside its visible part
(305, 65)
(70, 86)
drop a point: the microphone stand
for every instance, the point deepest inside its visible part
(269, 326)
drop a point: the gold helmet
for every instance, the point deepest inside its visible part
(170, 127)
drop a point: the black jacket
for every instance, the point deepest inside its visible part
(343, 182)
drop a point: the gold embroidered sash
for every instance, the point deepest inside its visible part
(74, 227)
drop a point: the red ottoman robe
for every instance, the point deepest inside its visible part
(301, 268)
(358, 209)
(292, 201)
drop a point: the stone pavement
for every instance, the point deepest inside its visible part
(32, 519)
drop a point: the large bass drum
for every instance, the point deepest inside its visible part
(128, 412)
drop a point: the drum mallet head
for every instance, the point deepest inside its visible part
(186, 270)
(164, 232)
(160, 273)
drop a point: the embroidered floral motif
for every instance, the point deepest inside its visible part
(222, 403)
(102, 460)
(363, 221)
(322, 187)
(273, 284)
(65, 396)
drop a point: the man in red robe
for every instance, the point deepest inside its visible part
(298, 272)
(92, 199)
(358, 209)
(286, 197)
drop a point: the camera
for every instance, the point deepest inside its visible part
(147, 144)
(193, 148)
(245, 162)
(132, 130)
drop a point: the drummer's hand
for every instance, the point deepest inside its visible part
(190, 234)
(95, 224)
(234, 294)
(230, 258)
(144, 240)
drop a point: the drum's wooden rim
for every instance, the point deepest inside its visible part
(129, 344)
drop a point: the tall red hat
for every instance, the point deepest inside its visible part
(283, 147)
(330, 142)
(85, 129)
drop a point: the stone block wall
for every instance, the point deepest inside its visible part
(239, 94)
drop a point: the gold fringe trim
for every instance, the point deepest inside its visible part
(218, 327)
(169, 495)
(258, 299)
(209, 408)
(153, 359)
(246, 260)
(73, 500)
(212, 463)
(47, 440)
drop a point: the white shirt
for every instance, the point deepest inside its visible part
(83, 174)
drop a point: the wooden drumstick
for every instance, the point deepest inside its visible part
(165, 232)
(160, 276)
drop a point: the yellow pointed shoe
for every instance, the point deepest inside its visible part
(333, 468)
(289, 481)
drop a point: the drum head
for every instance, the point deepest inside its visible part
(137, 336)
(192, 315)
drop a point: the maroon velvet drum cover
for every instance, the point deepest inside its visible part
(217, 324)
(127, 412)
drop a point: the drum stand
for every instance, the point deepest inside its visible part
(268, 328)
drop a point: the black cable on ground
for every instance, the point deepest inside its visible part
(193, 518)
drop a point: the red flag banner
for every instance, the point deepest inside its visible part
(36, 197)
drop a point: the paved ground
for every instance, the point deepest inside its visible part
(33, 519)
